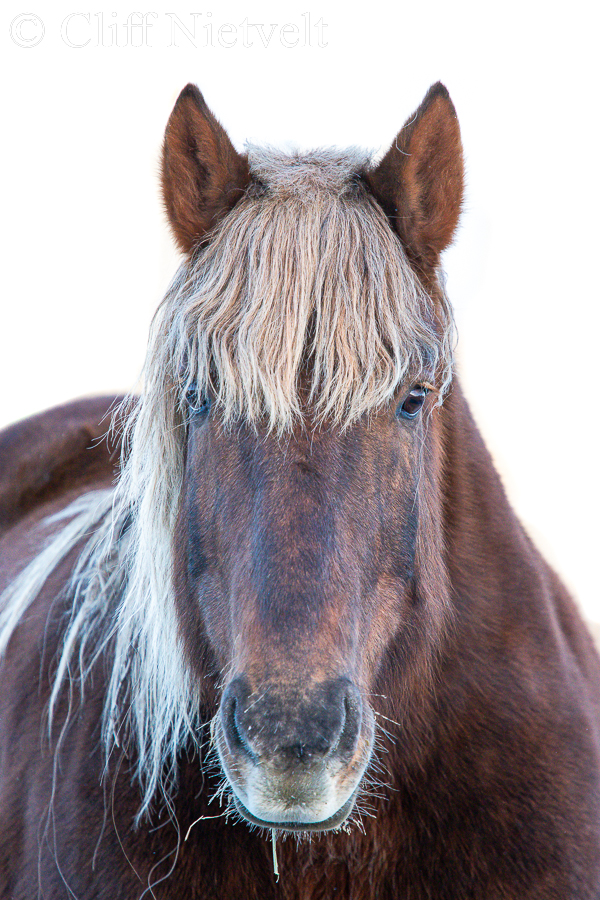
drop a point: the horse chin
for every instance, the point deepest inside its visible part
(330, 824)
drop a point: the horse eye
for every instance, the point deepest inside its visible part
(412, 404)
(198, 403)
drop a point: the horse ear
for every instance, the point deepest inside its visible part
(203, 175)
(419, 182)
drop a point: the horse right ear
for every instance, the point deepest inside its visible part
(203, 175)
(419, 182)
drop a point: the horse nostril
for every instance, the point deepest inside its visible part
(235, 734)
(235, 728)
(351, 724)
(300, 752)
(329, 728)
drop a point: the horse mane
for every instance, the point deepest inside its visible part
(304, 275)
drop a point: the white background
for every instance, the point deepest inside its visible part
(88, 256)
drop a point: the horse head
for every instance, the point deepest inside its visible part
(304, 350)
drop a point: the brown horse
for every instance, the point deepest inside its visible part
(302, 604)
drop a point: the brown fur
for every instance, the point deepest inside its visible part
(384, 553)
(202, 174)
(419, 181)
(57, 450)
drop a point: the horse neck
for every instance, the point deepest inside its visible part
(500, 583)
(488, 553)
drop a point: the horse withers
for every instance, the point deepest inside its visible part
(295, 644)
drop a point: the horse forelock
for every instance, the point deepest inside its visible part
(303, 281)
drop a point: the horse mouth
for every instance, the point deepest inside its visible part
(295, 766)
(329, 824)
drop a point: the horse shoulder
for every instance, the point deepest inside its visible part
(46, 462)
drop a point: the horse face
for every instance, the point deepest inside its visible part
(294, 560)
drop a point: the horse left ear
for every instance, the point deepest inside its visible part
(203, 175)
(419, 182)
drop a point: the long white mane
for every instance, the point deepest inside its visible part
(304, 274)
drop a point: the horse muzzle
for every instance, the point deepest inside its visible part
(294, 757)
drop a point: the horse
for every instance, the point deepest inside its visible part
(277, 632)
